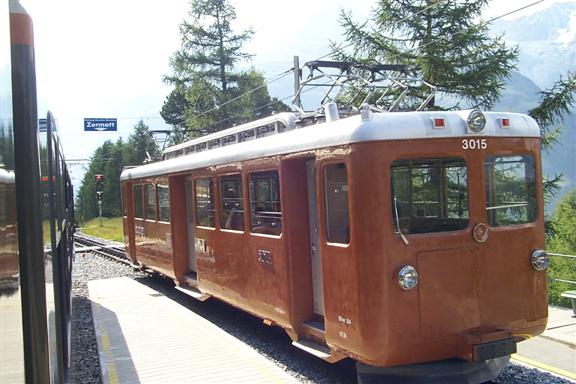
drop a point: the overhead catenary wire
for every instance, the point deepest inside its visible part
(289, 71)
(285, 73)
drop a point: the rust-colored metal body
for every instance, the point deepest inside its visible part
(476, 284)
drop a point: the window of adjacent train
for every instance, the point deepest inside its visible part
(231, 199)
(337, 218)
(510, 190)
(138, 211)
(205, 215)
(150, 201)
(265, 212)
(430, 195)
(163, 202)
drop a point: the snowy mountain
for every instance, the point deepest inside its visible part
(547, 44)
(546, 40)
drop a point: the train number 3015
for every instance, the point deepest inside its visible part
(474, 144)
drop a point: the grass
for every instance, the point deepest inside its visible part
(111, 228)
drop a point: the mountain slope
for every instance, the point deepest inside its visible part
(547, 42)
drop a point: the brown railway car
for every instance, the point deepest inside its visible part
(391, 238)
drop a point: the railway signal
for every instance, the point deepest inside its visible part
(99, 179)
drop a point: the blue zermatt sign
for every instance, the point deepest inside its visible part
(100, 125)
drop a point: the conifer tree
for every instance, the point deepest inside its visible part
(209, 47)
(109, 159)
(555, 104)
(207, 94)
(444, 40)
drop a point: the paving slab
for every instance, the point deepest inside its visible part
(144, 337)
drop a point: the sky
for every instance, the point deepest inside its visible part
(106, 58)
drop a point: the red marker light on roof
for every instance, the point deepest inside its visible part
(438, 123)
(505, 123)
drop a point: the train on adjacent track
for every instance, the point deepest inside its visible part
(411, 242)
(36, 219)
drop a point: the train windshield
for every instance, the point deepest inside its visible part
(430, 195)
(510, 190)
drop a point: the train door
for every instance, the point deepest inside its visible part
(190, 224)
(316, 259)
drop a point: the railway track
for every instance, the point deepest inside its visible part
(110, 250)
(272, 342)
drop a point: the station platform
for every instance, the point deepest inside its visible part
(144, 337)
(555, 349)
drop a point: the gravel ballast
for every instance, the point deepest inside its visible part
(271, 342)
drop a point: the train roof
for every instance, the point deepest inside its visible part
(367, 126)
(6, 177)
(287, 119)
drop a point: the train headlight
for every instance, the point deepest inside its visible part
(539, 260)
(476, 121)
(408, 277)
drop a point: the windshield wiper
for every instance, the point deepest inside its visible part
(404, 239)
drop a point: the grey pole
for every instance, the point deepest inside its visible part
(297, 101)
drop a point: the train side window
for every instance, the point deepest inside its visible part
(265, 210)
(205, 216)
(150, 201)
(232, 203)
(137, 197)
(337, 214)
(163, 202)
(510, 190)
(429, 195)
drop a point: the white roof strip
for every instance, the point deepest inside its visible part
(286, 118)
(355, 129)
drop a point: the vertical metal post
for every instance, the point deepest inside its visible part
(297, 102)
(29, 197)
(100, 211)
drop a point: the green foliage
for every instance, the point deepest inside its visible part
(555, 103)
(563, 242)
(209, 95)
(209, 46)
(174, 106)
(109, 160)
(444, 40)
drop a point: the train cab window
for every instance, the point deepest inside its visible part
(429, 195)
(337, 217)
(265, 210)
(231, 199)
(205, 215)
(163, 202)
(150, 201)
(137, 193)
(510, 190)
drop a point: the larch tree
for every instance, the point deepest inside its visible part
(209, 93)
(445, 41)
(555, 104)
